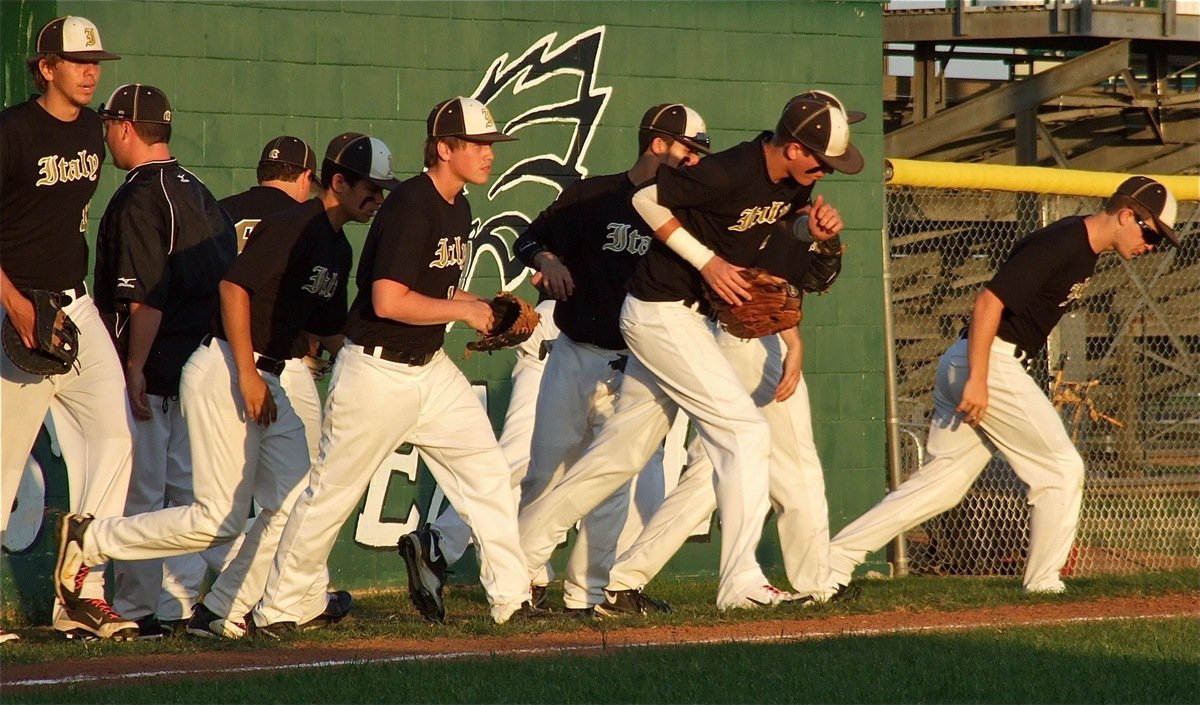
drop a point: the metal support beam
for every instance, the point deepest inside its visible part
(924, 82)
(969, 117)
(1044, 132)
(1026, 137)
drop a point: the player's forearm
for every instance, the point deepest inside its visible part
(791, 338)
(397, 302)
(235, 318)
(668, 230)
(985, 321)
(8, 291)
(144, 322)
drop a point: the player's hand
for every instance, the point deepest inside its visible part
(724, 278)
(974, 402)
(479, 316)
(260, 405)
(824, 221)
(789, 380)
(556, 278)
(135, 385)
(20, 312)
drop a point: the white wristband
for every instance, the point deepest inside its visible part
(689, 248)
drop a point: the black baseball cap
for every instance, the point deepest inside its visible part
(74, 39)
(286, 149)
(679, 122)
(465, 118)
(852, 116)
(366, 156)
(1156, 200)
(822, 127)
(137, 102)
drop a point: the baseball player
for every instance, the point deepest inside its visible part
(983, 397)
(247, 441)
(770, 370)
(51, 150)
(393, 366)
(709, 221)
(586, 245)
(286, 176)
(806, 251)
(162, 248)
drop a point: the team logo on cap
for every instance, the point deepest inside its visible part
(274, 154)
(166, 116)
(89, 34)
(488, 122)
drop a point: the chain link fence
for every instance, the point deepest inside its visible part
(1123, 368)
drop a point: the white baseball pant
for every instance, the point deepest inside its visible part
(796, 490)
(297, 381)
(577, 396)
(434, 408)
(233, 463)
(1024, 426)
(162, 476)
(676, 363)
(91, 419)
(453, 533)
(182, 575)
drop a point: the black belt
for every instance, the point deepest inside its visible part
(70, 295)
(619, 363)
(270, 364)
(404, 358)
(264, 363)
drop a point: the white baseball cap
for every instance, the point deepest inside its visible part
(74, 39)
(366, 156)
(465, 118)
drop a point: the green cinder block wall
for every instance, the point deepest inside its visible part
(573, 79)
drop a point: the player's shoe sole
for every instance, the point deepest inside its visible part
(424, 586)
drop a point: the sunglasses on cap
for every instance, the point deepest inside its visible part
(1149, 235)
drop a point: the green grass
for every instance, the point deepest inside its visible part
(389, 614)
(1130, 661)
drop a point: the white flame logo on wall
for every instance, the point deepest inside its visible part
(576, 59)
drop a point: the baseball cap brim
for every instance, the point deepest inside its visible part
(488, 138)
(1166, 230)
(384, 183)
(853, 116)
(688, 142)
(89, 56)
(849, 162)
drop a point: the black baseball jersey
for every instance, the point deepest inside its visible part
(782, 253)
(420, 241)
(250, 206)
(296, 269)
(729, 203)
(163, 242)
(1044, 274)
(247, 209)
(593, 228)
(49, 170)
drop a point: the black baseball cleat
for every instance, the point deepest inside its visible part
(528, 612)
(623, 603)
(539, 596)
(87, 619)
(583, 614)
(337, 607)
(426, 568)
(149, 627)
(277, 631)
(69, 569)
(846, 593)
(209, 625)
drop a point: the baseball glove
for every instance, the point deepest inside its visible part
(824, 266)
(774, 306)
(55, 336)
(513, 321)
